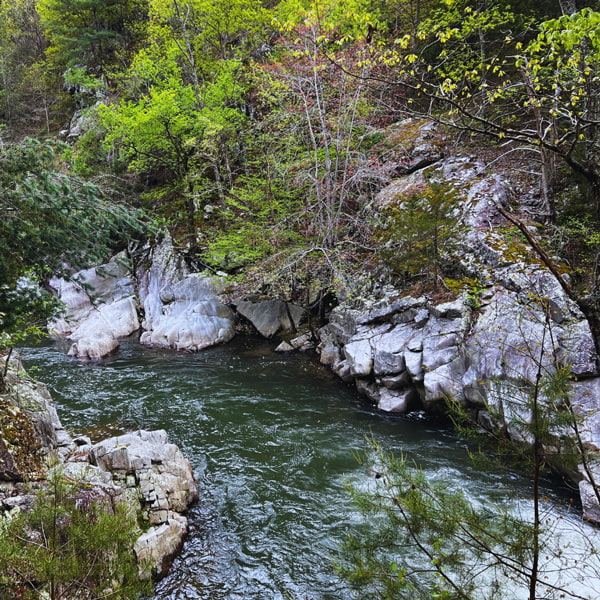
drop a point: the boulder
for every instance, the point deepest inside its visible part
(93, 349)
(396, 401)
(589, 501)
(271, 316)
(100, 307)
(30, 429)
(181, 310)
(145, 460)
(359, 356)
(156, 548)
(389, 348)
(193, 318)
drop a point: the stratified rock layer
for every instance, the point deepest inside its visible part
(145, 464)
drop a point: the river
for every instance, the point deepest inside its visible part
(272, 439)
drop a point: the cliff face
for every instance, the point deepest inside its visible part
(141, 468)
(491, 349)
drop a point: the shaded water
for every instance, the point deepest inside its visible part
(271, 438)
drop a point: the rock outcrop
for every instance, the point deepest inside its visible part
(141, 468)
(154, 472)
(510, 327)
(181, 310)
(100, 307)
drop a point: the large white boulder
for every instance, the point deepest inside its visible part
(100, 307)
(181, 310)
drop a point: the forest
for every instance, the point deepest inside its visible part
(256, 132)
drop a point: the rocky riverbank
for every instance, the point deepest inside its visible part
(141, 468)
(503, 332)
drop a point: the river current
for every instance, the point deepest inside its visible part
(272, 439)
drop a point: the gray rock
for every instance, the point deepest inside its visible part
(272, 316)
(584, 397)
(395, 382)
(369, 389)
(303, 342)
(193, 319)
(441, 341)
(389, 348)
(396, 401)
(401, 310)
(457, 309)
(22, 502)
(181, 310)
(100, 308)
(156, 547)
(93, 349)
(342, 370)
(443, 384)
(343, 324)
(488, 359)
(589, 501)
(157, 474)
(329, 353)
(414, 365)
(359, 355)
(30, 430)
(509, 340)
(140, 468)
(284, 347)
(577, 349)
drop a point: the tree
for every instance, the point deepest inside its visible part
(74, 542)
(89, 33)
(434, 542)
(179, 136)
(182, 117)
(428, 540)
(419, 230)
(50, 221)
(22, 44)
(484, 72)
(210, 30)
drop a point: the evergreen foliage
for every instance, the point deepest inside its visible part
(427, 540)
(89, 33)
(72, 543)
(419, 231)
(49, 220)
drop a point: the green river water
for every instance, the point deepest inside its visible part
(271, 439)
